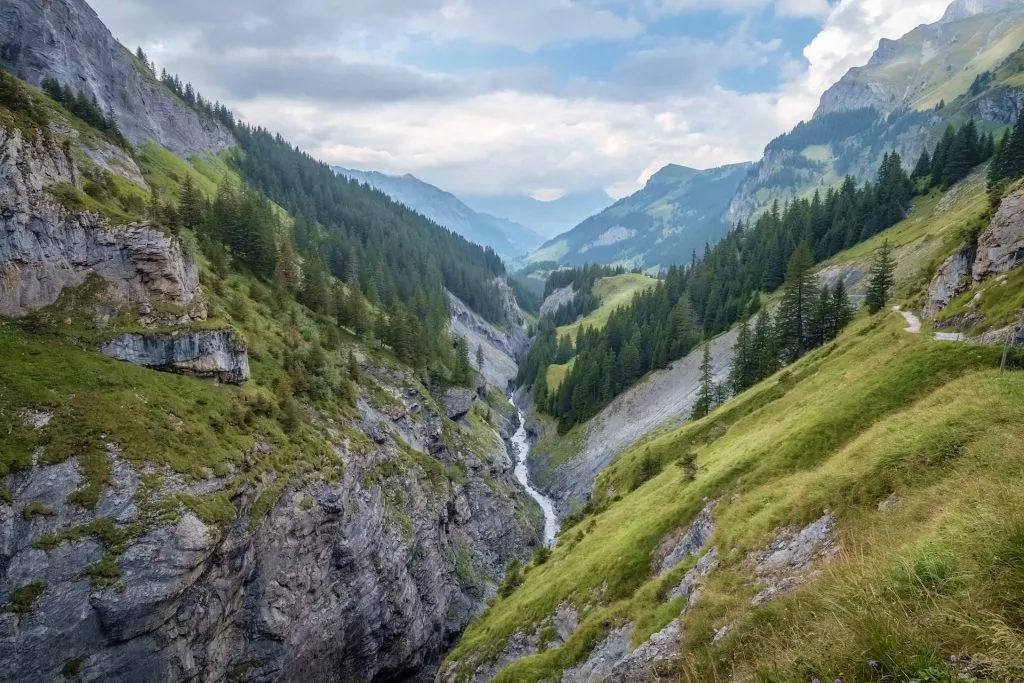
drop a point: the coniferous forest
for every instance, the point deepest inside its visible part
(694, 303)
(395, 265)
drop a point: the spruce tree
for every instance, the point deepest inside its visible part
(764, 348)
(706, 391)
(941, 155)
(923, 168)
(1013, 163)
(821, 318)
(997, 169)
(739, 376)
(842, 311)
(480, 356)
(799, 295)
(881, 278)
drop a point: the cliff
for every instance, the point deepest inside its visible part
(363, 575)
(66, 41)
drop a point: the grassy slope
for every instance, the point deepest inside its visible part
(613, 292)
(189, 426)
(556, 374)
(936, 226)
(877, 412)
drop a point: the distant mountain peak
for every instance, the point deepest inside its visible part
(507, 238)
(964, 9)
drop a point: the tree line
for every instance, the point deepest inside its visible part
(806, 318)
(85, 108)
(697, 302)
(351, 253)
(1007, 160)
(582, 281)
(953, 158)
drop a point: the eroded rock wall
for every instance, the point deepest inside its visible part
(361, 577)
(65, 40)
(45, 248)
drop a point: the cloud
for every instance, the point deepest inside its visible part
(509, 142)
(227, 24)
(331, 77)
(782, 8)
(853, 29)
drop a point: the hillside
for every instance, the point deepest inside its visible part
(567, 466)
(507, 238)
(965, 66)
(862, 488)
(678, 212)
(243, 435)
(880, 495)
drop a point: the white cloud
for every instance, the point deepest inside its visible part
(853, 29)
(511, 142)
(504, 132)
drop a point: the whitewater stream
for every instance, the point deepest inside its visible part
(520, 451)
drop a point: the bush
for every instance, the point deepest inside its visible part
(24, 599)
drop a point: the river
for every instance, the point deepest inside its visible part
(520, 452)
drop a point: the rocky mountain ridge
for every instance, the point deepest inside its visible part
(66, 41)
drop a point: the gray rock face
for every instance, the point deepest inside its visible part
(1001, 244)
(211, 353)
(642, 664)
(997, 250)
(954, 277)
(557, 299)
(359, 579)
(688, 543)
(964, 9)
(65, 40)
(784, 564)
(457, 402)
(44, 249)
(663, 400)
(603, 658)
(502, 348)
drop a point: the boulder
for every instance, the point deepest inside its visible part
(212, 353)
(1001, 244)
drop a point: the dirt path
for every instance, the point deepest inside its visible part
(914, 327)
(913, 322)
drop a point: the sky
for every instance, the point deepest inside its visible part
(534, 97)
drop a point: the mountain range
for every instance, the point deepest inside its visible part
(549, 218)
(506, 237)
(902, 99)
(679, 210)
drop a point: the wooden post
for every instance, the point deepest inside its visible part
(1006, 348)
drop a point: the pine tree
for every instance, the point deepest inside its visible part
(798, 298)
(842, 311)
(962, 156)
(191, 205)
(706, 393)
(480, 357)
(763, 347)
(743, 372)
(881, 279)
(821, 318)
(923, 168)
(997, 170)
(1013, 163)
(941, 155)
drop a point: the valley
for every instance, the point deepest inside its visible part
(265, 418)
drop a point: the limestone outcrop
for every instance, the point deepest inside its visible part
(208, 353)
